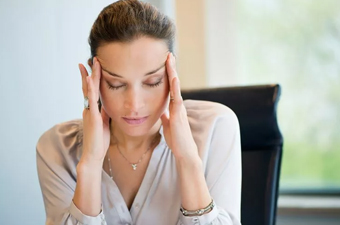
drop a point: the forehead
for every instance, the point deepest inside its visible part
(137, 57)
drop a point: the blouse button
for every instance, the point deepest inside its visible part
(195, 220)
(137, 206)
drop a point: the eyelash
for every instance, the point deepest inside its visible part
(150, 85)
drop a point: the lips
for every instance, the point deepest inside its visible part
(135, 120)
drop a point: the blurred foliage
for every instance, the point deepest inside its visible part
(296, 43)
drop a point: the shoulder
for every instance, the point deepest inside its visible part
(61, 141)
(211, 122)
(208, 114)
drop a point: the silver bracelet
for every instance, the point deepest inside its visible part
(198, 212)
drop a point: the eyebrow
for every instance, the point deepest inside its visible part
(148, 73)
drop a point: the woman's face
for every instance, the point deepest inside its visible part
(134, 83)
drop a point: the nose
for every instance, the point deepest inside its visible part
(134, 100)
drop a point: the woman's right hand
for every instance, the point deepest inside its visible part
(96, 126)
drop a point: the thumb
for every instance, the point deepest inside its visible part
(105, 117)
(165, 120)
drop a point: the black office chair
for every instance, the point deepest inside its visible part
(261, 140)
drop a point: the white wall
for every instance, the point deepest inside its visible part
(220, 42)
(206, 43)
(42, 43)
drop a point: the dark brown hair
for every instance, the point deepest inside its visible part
(127, 20)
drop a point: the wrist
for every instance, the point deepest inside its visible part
(194, 191)
(192, 163)
(87, 195)
(198, 212)
(87, 166)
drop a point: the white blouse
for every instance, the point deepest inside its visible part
(215, 130)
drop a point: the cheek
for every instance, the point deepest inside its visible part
(162, 99)
(161, 93)
(165, 87)
(103, 92)
(107, 98)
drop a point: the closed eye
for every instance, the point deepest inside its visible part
(114, 87)
(156, 84)
(117, 87)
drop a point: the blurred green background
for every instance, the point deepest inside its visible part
(296, 43)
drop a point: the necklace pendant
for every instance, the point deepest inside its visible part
(134, 166)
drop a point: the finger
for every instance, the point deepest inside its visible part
(105, 117)
(170, 71)
(96, 74)
(92, 96)
(173, 65)
(165, 120)
(176, 91)
(84, 74)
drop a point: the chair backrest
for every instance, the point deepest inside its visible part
(261, 140)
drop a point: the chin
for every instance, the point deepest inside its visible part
(136, 132)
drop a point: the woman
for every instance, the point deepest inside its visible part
(144, 156)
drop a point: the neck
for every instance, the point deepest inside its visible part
(130, 144)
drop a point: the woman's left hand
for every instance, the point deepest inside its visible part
(176, 127)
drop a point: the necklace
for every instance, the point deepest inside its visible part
(134, 165)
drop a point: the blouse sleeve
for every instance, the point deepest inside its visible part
(56, 153)
(223, 174)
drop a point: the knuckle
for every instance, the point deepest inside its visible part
(180, 100)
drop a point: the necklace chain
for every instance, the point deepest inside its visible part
(134, 165)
